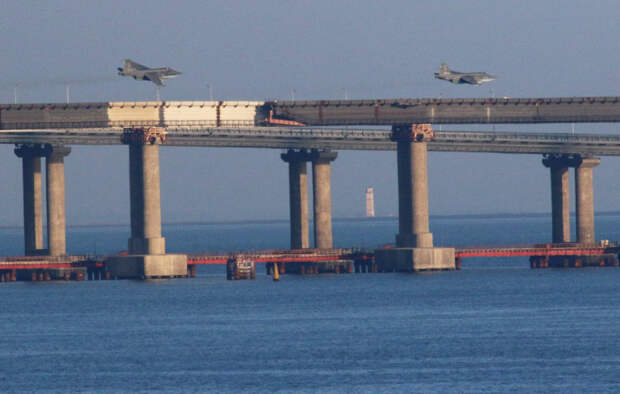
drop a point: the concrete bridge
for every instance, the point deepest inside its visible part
(291, 137)
(46, 130)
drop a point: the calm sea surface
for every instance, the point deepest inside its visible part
(494, 326)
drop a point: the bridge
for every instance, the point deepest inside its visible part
(311, 113)
(450, 111)
(46, 131)
(334, 139)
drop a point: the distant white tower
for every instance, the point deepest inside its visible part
(370, 202)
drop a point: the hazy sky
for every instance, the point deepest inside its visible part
(255, 50)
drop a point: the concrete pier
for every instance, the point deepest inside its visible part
(413, 224)
(584, 192)
(321, 185)
(560, 198)
(55, 191)
(145, 206)
(32, 197)
(298, 196)
(147, 248)
(414, 242)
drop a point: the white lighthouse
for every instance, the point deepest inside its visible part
(370, 202)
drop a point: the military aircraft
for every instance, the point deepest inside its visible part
(138, 71)
(475, 78)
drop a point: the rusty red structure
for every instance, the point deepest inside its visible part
(550, 255)
(306, 261)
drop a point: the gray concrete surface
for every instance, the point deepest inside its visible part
(415, 259)
(56, 217)
(147, 266)
(145, 207)
(560, 194)
(298, 197)
(32, 197)
(584, 192)
(413, 222)
(321, 187)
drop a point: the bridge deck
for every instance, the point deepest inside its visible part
(450, 111)
(337, 139)
(314, 113)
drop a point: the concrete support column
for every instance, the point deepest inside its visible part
(298, 197)
(414, 249)
(560, 205)
(321, 183)
(32, 197)
(135, 194)
(413, 222)
(145, 200)
(584, 191)
(147, 256)
(56, 219)
(560, 199)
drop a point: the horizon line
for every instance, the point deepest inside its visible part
(336, 219)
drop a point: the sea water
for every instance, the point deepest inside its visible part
(496, 325)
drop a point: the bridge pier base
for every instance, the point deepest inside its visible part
(414, 242)
(148, 266)
(415, 259)
(147, 248)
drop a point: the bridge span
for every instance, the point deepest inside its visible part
(311, 113)
(448, 111)
(334, 139)
(46, 130)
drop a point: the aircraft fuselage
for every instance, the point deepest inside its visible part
(456, 77)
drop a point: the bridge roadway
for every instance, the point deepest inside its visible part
(335, 139)
(448, 111)
(396, 111)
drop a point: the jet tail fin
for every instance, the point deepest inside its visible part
(444, 68)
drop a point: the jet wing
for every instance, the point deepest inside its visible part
(137, 66)
(469, 79)
(154, 77)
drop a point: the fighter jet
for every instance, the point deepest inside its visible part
(138, 71)
(475, 78)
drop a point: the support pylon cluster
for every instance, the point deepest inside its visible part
(584, 196)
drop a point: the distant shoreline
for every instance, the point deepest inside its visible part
(503, 215)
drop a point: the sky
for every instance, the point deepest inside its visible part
(250, 50)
